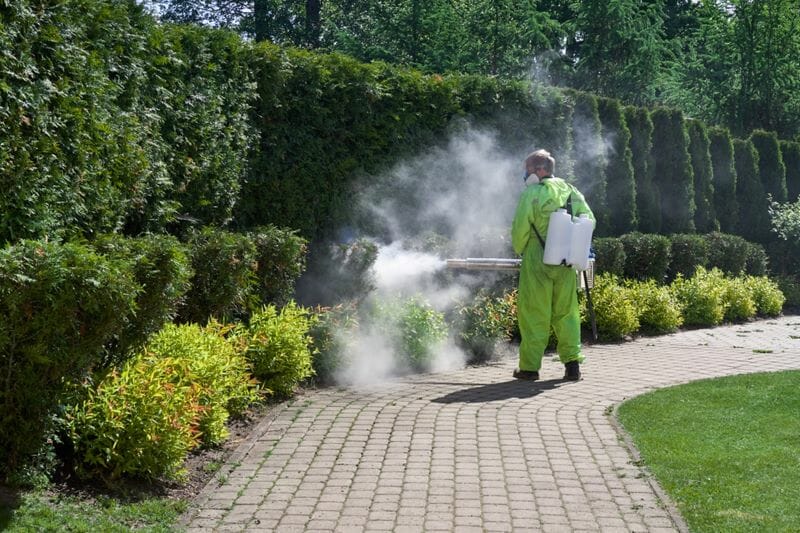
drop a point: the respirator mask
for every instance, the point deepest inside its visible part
(529, 179)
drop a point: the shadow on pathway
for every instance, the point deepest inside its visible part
(499, 391)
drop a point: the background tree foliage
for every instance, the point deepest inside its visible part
(734, 63)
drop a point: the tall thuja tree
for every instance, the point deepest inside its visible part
(618, 48)
(588, 155)
(672, 171)
(724, 171)
(754, 222)
(620, 185)
(770, 164)
(641, 144)
(790, 151)
(705, 218)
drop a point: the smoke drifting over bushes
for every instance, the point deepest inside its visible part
(453, 201)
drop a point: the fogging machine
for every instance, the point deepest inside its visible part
(585, 278)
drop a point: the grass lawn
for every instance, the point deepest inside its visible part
(727, 450)
(41, 512)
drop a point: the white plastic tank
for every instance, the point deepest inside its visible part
(580, 242)
(558, 240)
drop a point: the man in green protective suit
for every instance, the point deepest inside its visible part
(547, 293)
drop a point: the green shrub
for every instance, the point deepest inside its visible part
(329, 332)
(614, 308)
(609, 256)
(486, 321)
(647, 256)
(687, 252)
(280, 260)
(414, 329)
(162, 268)
(224, 280)
(738, 301)
(701, 297)
(727, 253)
(278, 346)
(140, 421)
(421, 330)
(60, 304)
(766, 293)
(756, 260)
(657, 308)
(790, 288)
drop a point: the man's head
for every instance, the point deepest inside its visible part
(540, 163)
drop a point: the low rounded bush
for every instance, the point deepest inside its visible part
(756, 260)
(609, 256)
(162, 267)
(278, 346)
(329, 331)
(767, 294)
(727, 252)
(687, 252)
(647, 256)
(790, 288)
(701, 297)
(339, 273)
(614, 308)
(224, 280)
(657, 308)
(60, 306)
(280, 258)
(738, 300)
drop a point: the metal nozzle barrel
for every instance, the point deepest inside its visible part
(484, 263)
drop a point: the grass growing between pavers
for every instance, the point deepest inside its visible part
(39, 512)
(727, 451)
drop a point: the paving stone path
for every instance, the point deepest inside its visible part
(474, 449)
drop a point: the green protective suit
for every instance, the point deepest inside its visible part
(547, 293)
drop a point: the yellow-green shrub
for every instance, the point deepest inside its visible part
(769, 298)
(614, 308)
(657, 308)
(221, 373)
(278, 346)
(701, 296)
(739, 302)
(141, 420)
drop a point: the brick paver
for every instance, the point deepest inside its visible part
(474, 449)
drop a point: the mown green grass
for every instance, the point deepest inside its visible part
(727, 451)
(37, 512)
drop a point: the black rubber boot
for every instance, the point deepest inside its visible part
(572, 371)
(528, 375)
